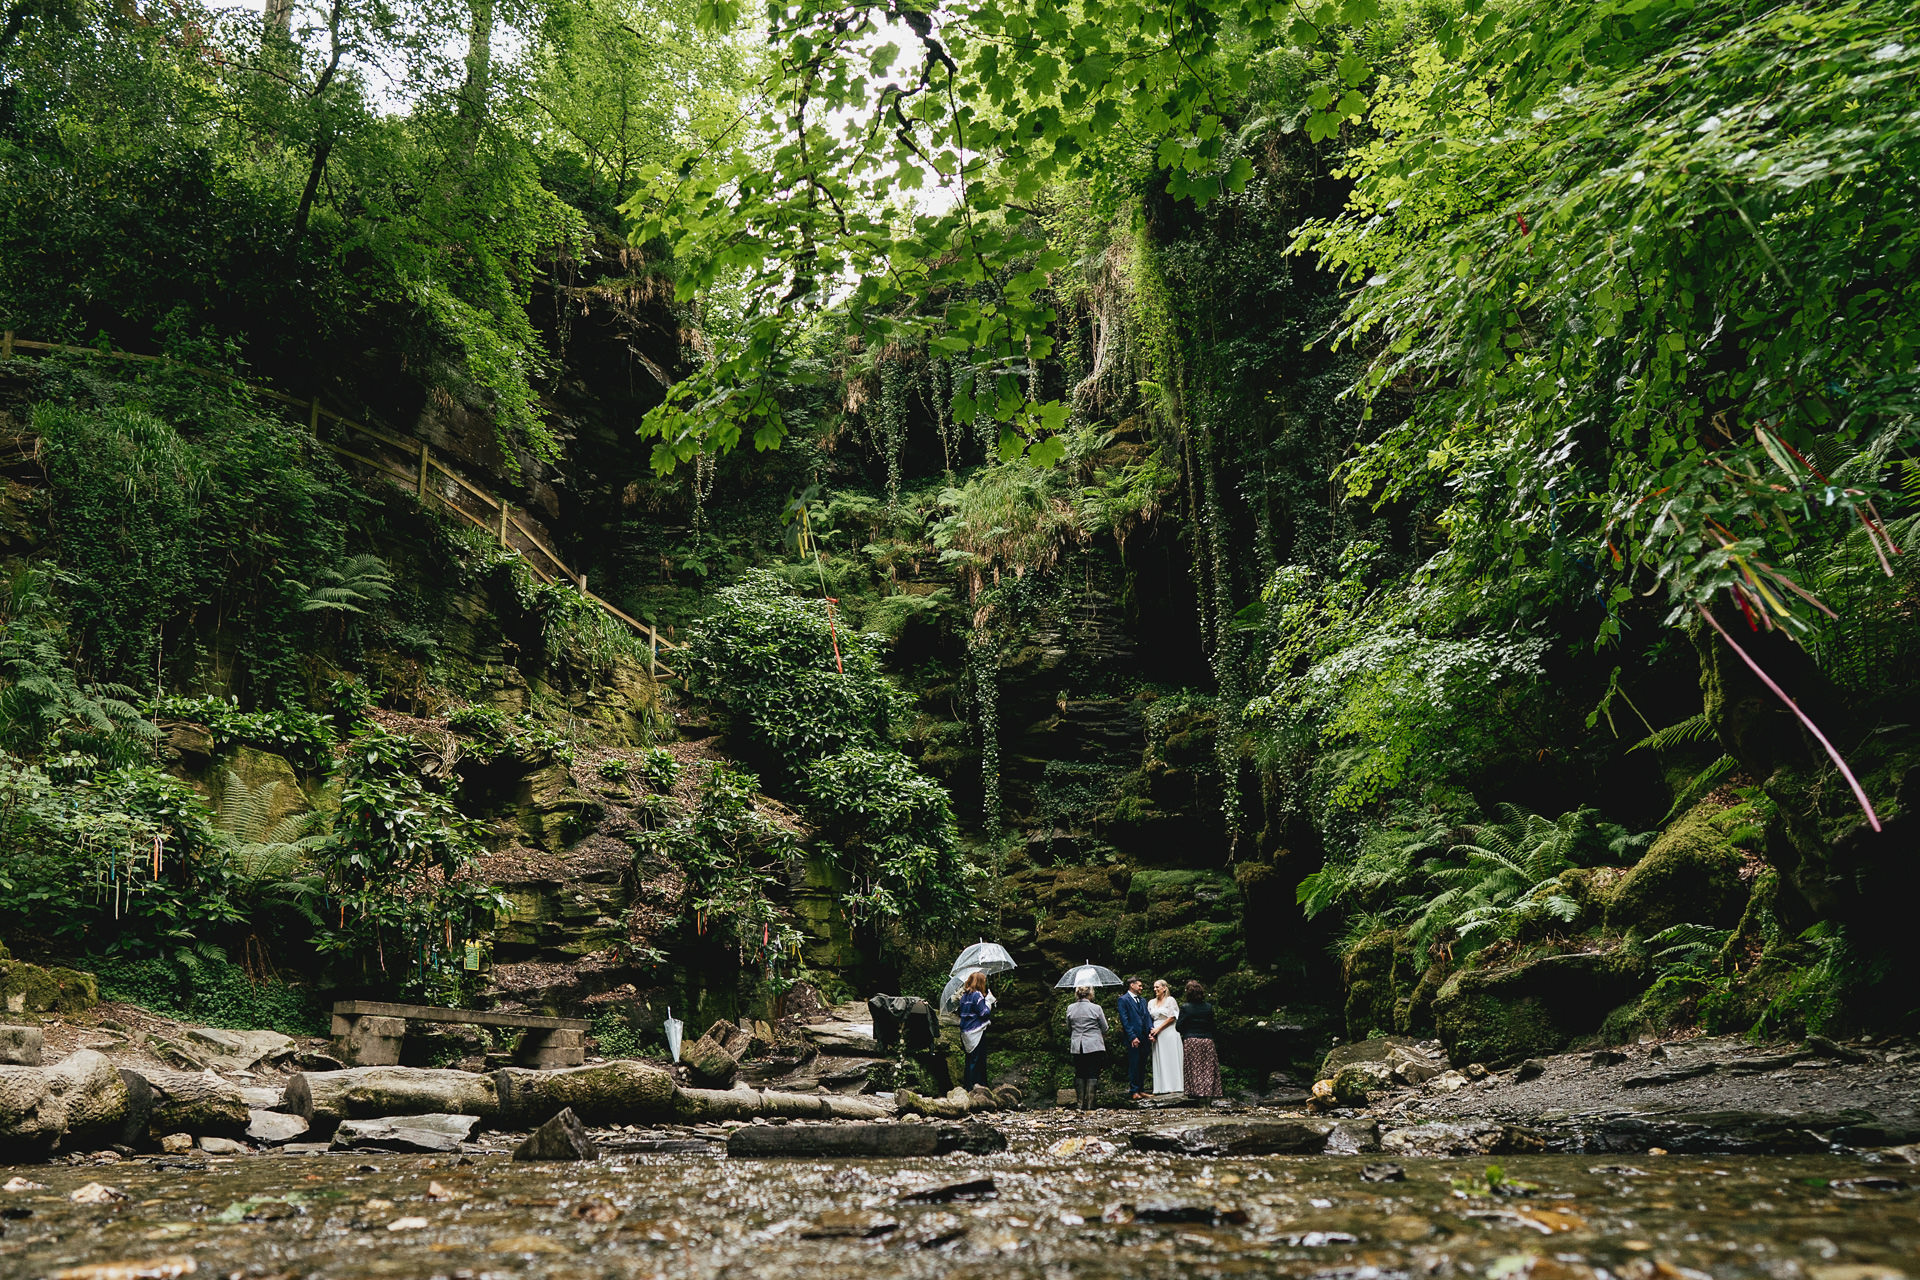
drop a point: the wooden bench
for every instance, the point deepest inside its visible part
(367, 1033)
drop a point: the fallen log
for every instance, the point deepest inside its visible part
(196, 1103)
(605, 1093)
(324, 1098)
(80, 1098)
(748, 1104)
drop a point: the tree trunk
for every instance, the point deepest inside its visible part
(473, 94)
(324, 1098)
(606, 1093)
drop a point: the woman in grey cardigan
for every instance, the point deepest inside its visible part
(1087, 1043)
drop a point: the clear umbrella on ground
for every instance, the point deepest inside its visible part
(988, 956)
(1088, 975)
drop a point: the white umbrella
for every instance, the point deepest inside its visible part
(989, 956)
(673, 1027)
(1088, 975)
(950, 994)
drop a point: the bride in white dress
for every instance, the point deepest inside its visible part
(1169, 1063)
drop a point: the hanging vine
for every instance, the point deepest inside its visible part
(892, 412)
(983, 661)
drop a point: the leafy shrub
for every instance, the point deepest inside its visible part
(43, 702)
(395, 871)
(658, 768)
(492, 734)
(893, 827)
(201, 985)
(734, 857)
(767, 657)
(615, 768)
(304, 739)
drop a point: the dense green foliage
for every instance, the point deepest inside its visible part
(1300, 442)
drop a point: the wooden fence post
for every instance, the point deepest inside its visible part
(313, 416)
(423, 471)
(6, 345)
(503, 522)
(653, 653)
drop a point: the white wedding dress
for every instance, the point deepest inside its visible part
(1169, 1063)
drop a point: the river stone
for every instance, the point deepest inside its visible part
(237, 1050)
(20, 1046)
(1237, 1138)
(620, 1092)
(82, 1095)
(435, 1131)
(709, 1063)
(1354, 1083)
(274, 1128)
(876, 1141)
(561, 1138)
(324, 1099)
(223, 1147)
(741, 1103)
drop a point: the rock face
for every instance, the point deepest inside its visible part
(192, 1102)
(868, 1140)
(561, 1138)
(1536, 1006)
(323, 1099)
(605, 1093)
(433, 1131)
(81, 1096)
(28, 988)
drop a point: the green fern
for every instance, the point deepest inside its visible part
(1695, 728)
(1699, 785)
(263, 853)
(359, 583)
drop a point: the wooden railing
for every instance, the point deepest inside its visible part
(497, 519)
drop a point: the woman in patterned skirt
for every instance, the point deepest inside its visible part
(1202, 1061)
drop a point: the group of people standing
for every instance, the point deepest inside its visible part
(1174, 1041)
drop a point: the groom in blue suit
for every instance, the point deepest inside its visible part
(1135, 1023)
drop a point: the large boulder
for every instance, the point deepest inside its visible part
(323, 1099)
(1691, 875)
(620, 1092)
(430, 1132)
(80, 1098)
(1533, 1006)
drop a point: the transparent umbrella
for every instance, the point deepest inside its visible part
(989, 956)
(950, 994)
(1088, 975)
(674, 1029)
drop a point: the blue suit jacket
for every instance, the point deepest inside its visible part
(1135, 1021)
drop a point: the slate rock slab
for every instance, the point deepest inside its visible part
(876, 1140)
(561, 1138)
(274, 1128)
(435, 1131)
(1237, 1138)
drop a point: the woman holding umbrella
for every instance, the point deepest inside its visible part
(1086, 1043)
(976, 1010)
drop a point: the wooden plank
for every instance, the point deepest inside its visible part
(464, 483)
(364, 429)
(659, 640)
(395, 472)
(545, 550)
(473, 1017)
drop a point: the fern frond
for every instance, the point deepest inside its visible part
(1695, 728)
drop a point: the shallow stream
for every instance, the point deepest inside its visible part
(1067, 1200)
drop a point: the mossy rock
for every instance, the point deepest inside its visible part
(1691, 875)
(28, 988)
(1533, 1006)
(1367, 975)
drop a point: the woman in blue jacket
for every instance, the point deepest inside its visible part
(976, 1010)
